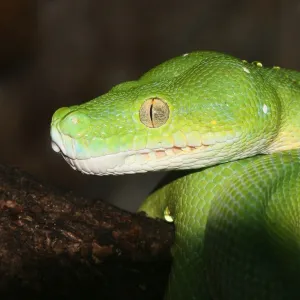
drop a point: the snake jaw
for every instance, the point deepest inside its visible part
(98, 156)
(129, 162)
(138, 161)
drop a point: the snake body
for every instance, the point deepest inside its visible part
(236, 127)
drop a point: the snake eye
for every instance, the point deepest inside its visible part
(154, 113)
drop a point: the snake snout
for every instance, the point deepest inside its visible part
(74, 124)
(57, 142)
(69, 126)
(55, 147)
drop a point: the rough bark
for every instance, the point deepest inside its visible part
(54, 245)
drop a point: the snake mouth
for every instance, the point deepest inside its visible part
(138, 161)
(134, 161)
(130, 161)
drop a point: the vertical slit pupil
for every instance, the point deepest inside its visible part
(151, 112)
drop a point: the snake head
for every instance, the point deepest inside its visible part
(192, 111)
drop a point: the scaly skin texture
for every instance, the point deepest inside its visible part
(237, 219)
(237, 229)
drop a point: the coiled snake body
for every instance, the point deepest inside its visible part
(236, 126)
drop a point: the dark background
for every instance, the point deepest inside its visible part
(56, 53)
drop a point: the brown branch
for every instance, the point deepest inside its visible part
(55, 244)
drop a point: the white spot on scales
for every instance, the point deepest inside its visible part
(246, 70)
(265, 108)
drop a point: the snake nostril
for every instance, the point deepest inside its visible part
(75, 124)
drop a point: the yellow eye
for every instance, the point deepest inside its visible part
(154, 113)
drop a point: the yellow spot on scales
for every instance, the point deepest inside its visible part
(286, 140)
(167, 215)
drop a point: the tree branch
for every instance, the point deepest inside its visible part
(55, 244)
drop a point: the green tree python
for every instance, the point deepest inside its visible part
(236, 126)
